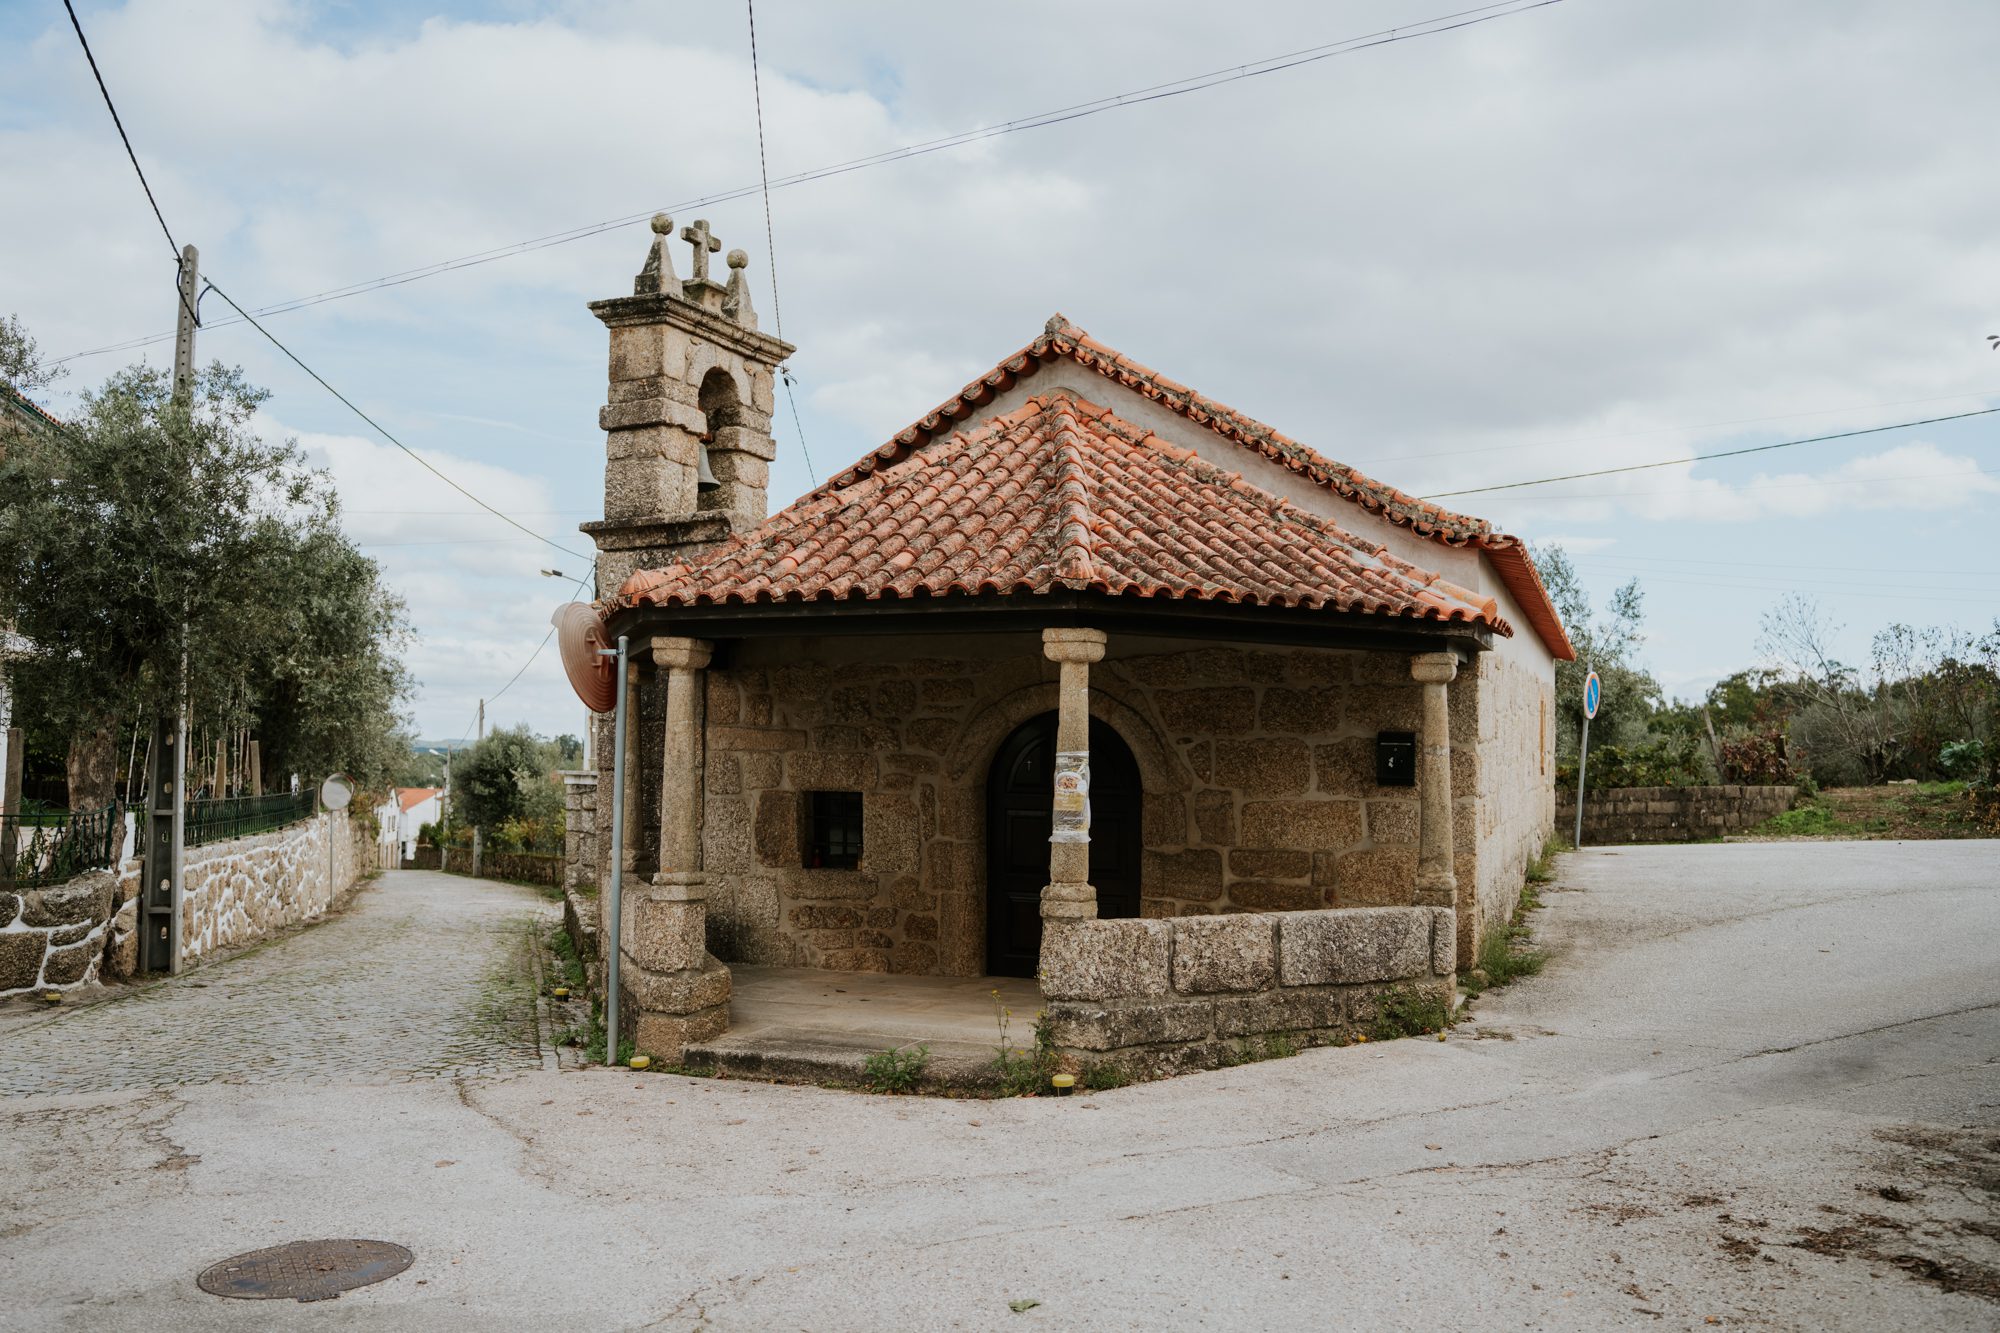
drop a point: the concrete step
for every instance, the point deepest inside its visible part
(837, 1059)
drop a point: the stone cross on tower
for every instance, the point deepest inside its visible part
(689, 403)
(704, 243)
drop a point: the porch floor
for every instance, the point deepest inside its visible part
(797, 1024)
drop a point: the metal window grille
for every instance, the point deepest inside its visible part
(833, 830)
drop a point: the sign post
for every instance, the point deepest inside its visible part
(1593, 694)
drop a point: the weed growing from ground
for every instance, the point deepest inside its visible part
(1505, 954)
(1103, 1077)
(1251, 1050)
(591, 1038)
(564, 949)
(1023, 1073)
(1403, 1012)
(896, 1071)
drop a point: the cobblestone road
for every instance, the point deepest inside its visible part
(423, 976)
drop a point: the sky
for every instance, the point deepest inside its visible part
(1585, 235)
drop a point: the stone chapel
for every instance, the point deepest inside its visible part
(1081, 677)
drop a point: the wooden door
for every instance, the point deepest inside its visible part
(1019, 790)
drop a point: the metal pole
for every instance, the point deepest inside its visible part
(1582, 758)
(617, 865)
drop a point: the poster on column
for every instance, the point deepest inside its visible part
(1072, 801)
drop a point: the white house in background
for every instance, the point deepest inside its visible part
(405, 813)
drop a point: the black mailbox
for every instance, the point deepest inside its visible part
(1396, 759)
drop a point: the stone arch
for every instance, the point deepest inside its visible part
(1160, 768)
(961, 794)
(720, 399)
(707, 365)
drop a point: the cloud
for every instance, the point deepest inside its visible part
(1543, 244)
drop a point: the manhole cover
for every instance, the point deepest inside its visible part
(305, 1270)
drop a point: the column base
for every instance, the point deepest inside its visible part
(1437, 888)
(1069, 902)
(665, 1013)
(665, 928)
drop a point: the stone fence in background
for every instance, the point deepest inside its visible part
(1671, 814)
(234, 893)
(1158, 996)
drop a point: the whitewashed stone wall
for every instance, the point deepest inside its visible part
(53, 938)
(237, 892)
(1511, 818)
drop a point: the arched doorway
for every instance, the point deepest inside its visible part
(1019, 788)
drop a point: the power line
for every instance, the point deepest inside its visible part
(211, 286)
(1788, 485)
(1771, 564)
(771, 240)
(1431, 27)
(1702, 458)
(1665, 430)
(140, 171)
(383, 431)
(531, 656)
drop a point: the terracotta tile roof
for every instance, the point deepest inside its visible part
(1057, 493)
(1062, 340)
(790, 557)
(409, 798)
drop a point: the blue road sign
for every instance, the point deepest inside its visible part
(1593, 690)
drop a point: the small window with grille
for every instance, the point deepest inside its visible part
(833, 830)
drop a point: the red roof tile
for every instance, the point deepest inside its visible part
(940, 509)
(1058, 493)
(411, 797)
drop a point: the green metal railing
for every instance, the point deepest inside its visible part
(241, 816)
(42, 849)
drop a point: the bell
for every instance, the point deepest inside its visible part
(704, 476)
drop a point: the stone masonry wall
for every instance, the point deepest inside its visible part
(53, 938)
(1257, 765)
(233, 893)
(1155, 997)
(1674, 814)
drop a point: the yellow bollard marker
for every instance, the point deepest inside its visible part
(560, 992)
(1062, 1083)
(641, 1062)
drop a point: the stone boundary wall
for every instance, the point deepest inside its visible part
(1622, 815)
(234, 893)
(1161, 996)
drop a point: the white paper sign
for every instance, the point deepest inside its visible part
(1072, 797)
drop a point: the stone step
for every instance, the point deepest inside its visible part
(837, 1059)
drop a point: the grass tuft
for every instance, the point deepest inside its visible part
(1403, 1012)
(896, 1071)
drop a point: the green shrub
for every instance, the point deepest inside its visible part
(1801, 820)
(896, 1070)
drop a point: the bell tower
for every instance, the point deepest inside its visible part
(687, 418)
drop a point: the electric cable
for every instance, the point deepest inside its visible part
(1702, 458)
(1431, 27)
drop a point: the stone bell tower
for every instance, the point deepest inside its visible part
(688, 443)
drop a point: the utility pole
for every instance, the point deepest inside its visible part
(478, 836)
(166, 802)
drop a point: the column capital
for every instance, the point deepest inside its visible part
(1073, 645)
(1434, 668)
(687, 654)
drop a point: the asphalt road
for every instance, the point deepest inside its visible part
(1758, 1086)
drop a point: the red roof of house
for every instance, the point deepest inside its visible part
(1061, 492)
(409, 798)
